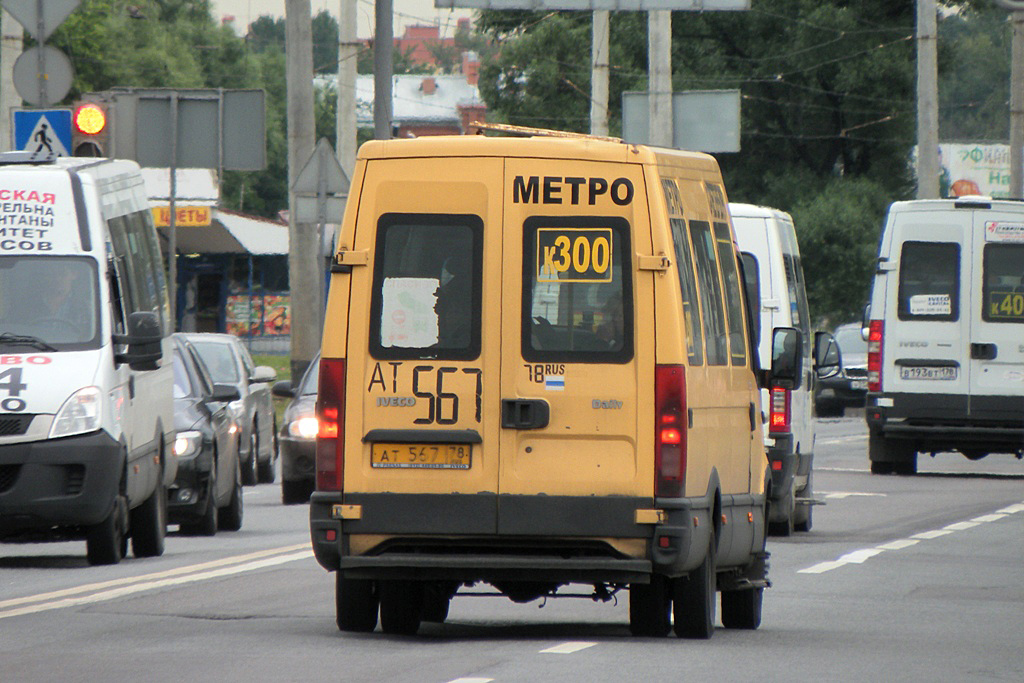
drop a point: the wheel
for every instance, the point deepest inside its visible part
(649, 607)
(206, 525)
(401, 606)
(437, 599)
(742, 608)
(803, 515)
(230, 516)
(149, 523)
(266, 472)
(355, 602)
(250, 470)
(106, 542)
(891, 457)
(295, 492)
(694, 598)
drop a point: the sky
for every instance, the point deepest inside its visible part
(407, 12)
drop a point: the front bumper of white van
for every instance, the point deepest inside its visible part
(69, 482)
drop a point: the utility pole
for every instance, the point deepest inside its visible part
(927, 102)
(304, 268)
(10, 50)
(599, 52)
(348, 56)
(383, 45)
(1017, 105)
(659, 67)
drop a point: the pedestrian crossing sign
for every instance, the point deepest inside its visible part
(43, 130)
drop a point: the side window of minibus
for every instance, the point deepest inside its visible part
(733, 299)
(684, 261)
(123, 280)
(713, 314)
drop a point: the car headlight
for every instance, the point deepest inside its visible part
(187, 443)
(305, 427)
(81, 413)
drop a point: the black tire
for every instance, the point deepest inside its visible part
(742, 608)
(107, 542)
(650, 605)
(266, 472)
(803, 517)
(437, 599)
(229, 517)
(250, 469)
(401, 606)
(355, 602)
(784, 527)
(694, 598)
(296, 492)
(206, 525)
(149, 523)
(891, 457)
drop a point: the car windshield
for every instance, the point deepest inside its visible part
(311, 379)
(850, 340)
(182, 385)
(219, 359)
(49, 301)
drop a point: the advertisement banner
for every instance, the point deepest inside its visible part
(974, 168)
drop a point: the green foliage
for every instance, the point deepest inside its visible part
(838, 231)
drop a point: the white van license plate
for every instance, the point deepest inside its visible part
(433, 456)
(921, 372)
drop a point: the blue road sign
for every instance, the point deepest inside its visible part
(37, 130)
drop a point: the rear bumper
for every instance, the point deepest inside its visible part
(941, 422)
(790, 472)
(533, 538)
(297, 459)
(58, 483)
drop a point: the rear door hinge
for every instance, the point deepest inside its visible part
(657, 263)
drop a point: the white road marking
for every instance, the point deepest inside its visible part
(860, 556)
(471, 680)
(117, 588)
(839, 495)
(567, 648)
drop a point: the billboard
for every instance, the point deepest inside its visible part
(974, 168)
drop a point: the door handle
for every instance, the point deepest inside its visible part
(524, 413)
(984, 351)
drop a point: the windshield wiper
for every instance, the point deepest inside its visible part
(8, 339)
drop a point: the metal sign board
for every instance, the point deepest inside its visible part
(702, 120)
(307, 209)
(322, 173)
(42, 130)
(29, 13)
(42, 75)
(595, 5)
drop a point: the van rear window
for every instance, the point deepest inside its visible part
(929, 281)
(1003, 288)
(427, 287)
(577, 290)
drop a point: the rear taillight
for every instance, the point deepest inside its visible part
(670, 431)
(330, 412)
(875, 333)
(779, 419)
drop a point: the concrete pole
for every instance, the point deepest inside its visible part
(659, 68)
(303, 247)
(927, 102)
(348, 54)
(383, 46)
(599, 73)
(1017, 106)
(10, 50)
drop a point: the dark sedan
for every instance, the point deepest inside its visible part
(230, 363)
(848, 388)
(297, 439)
(207, 492)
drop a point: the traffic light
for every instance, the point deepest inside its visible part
(91, 124)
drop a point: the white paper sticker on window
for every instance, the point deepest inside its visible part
(407, 317)
(930, 304)
(1002, 231)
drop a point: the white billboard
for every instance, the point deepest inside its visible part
(974, 168)
(595, 5)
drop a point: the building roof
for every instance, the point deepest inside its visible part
(231, 232)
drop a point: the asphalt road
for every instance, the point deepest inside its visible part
(901, 578)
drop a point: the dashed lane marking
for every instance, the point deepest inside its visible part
(864, 554)
(567, 648)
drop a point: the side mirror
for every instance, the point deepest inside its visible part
(144, 338)
(865, 322)
(787, 358)
(225, 393)
(283, 389)
(263, 374)
(828, 359)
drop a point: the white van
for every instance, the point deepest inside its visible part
(768, 235)
(86, 414)
(946, 332)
